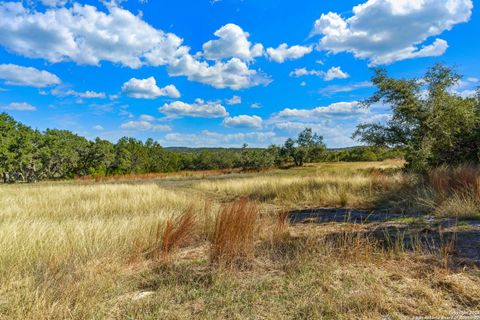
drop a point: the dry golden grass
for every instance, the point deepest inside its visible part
(325, 185)
(65, 243)
(76, 251)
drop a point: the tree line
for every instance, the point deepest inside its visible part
(30, 155)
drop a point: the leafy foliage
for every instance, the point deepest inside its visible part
(308, 147)
(434, 125)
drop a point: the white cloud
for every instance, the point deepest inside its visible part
(243, 121)
(466, 88)
(256, 105)
(198, 109)
(27, 76)
(232, 43)
(385, 31)
(335, 73)
(143, 125)
(89, 94)
(19, 106)
(53, 3)
(333, 89)
(208, 138)
(98, 127)
(300, 72)
(234, 100)
(283, 52)
(148, 89)
(234, 73)
(331, 74)
(85, 35)
(338, 110)
(146, 117)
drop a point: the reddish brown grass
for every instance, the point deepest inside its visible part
(439, 180)
(233, 241)
(176, 233)
(464, 179)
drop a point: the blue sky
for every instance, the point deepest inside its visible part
(221, 73)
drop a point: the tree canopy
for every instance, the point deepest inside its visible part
(430, 121)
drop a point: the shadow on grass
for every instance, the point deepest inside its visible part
(460, 242)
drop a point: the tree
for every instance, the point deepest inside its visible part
(308, 146)
(61, 152)
(435, 126)
(8, 132)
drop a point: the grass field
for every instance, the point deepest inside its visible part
(175, 247)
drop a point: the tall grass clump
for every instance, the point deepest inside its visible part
(233, 241)
(178, 231)
(453, 191)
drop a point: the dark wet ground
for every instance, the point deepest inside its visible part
(461, 239)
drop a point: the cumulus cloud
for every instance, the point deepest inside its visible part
(243, 121)
(385, 31)
(143, 125)
(284, 52)
(198, 109)
(256, 105)
(85, 35)
(234, 73)
(234, 100)
(27, 76)
(335, 73)
(331, 74)
(232, 43)
(208, 138)
(148, 89)
(18, 106)
(98, 127)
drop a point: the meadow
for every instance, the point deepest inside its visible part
(224, 245)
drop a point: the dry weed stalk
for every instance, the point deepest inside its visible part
(176, 233)
(233, 241)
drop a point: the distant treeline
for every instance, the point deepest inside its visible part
(30, 155)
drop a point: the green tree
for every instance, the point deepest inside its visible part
(435, 126)
(308, 146)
